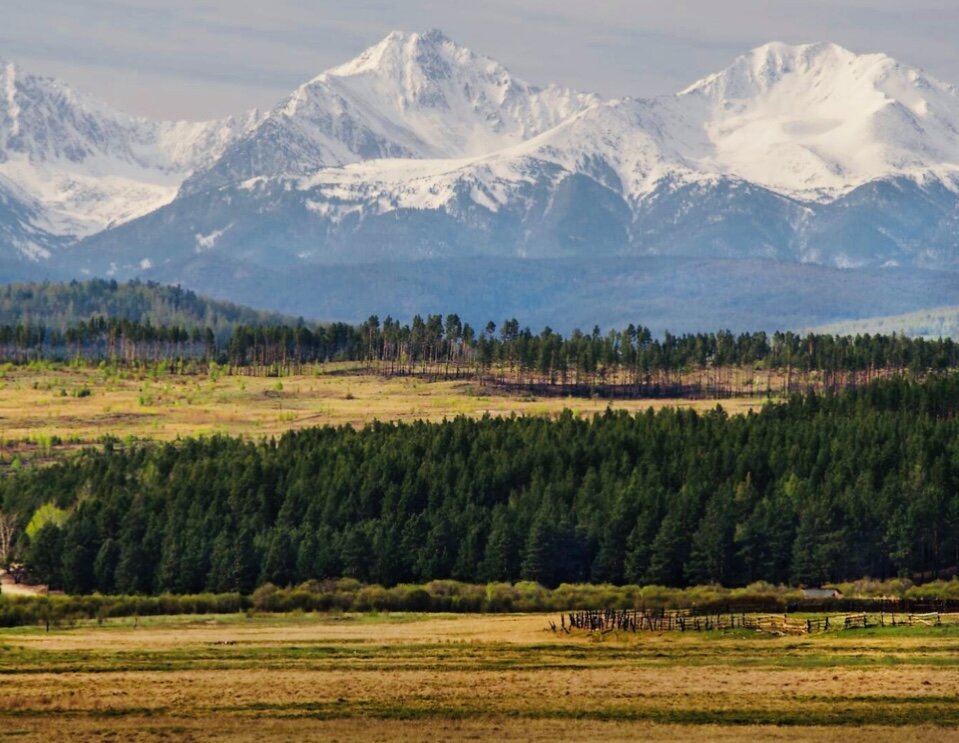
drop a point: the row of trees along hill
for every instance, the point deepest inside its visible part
(819, 488)
(627, 363)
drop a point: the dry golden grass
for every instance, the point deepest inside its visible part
(409, 677)
(35, 405)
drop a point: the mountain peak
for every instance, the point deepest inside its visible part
(784, 50)
(414, 95)
(766, 66)
(821, 70)
(825, 66)
(84, 166)
(818, 120)
(396, 49)
(435, 36)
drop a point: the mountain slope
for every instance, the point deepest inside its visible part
(20, 226)
(81, 167)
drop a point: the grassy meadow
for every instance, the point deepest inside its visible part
(80, 405)
(428, 677)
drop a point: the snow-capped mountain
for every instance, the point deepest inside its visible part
(76, 167)
(811, 123)
(411, 96)
(817, 121)
(420, 149)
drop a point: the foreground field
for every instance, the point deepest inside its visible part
(434, 677)
(82, 405)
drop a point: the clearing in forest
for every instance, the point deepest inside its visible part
(81, 405)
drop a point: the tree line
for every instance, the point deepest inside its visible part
(630, 362)
(822, 487)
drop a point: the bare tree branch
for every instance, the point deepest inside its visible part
(8, 528)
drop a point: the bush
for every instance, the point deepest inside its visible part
(939, 589)
(418, 600)
(265, 597)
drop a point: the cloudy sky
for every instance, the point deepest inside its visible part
(207, 58)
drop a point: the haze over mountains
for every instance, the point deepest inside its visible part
(423, 177)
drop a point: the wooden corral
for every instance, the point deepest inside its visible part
(685, 620)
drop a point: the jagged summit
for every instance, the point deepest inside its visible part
(394, 47)
(421, 78)
(412, 96)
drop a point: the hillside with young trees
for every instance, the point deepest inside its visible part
(939, 322)
(58, 306)
(819, 488)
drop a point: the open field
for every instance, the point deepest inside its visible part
(81, 405)
(447, 677)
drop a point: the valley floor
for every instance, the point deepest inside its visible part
(429, 677)
(81, 405)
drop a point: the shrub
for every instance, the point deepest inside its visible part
(418, 600)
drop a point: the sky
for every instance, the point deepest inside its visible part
(201, 59)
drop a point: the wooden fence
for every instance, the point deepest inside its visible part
(929, 619)
(663, 620)
(683, 620)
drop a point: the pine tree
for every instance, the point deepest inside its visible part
(279, 559)
(501, 558)
(710, 554)
(45, 556)
(105, 566)
(668, 553)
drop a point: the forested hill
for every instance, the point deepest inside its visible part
(62, 305)
(823, 487)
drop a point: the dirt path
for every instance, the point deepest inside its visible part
(10, 588)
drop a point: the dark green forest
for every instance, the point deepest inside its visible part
(820, 487)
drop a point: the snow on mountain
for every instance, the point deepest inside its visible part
(619, 144)
(411, 96)
(84, 167)
(810, 122)
(20, 218)
(817, 121)
(455, 103)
